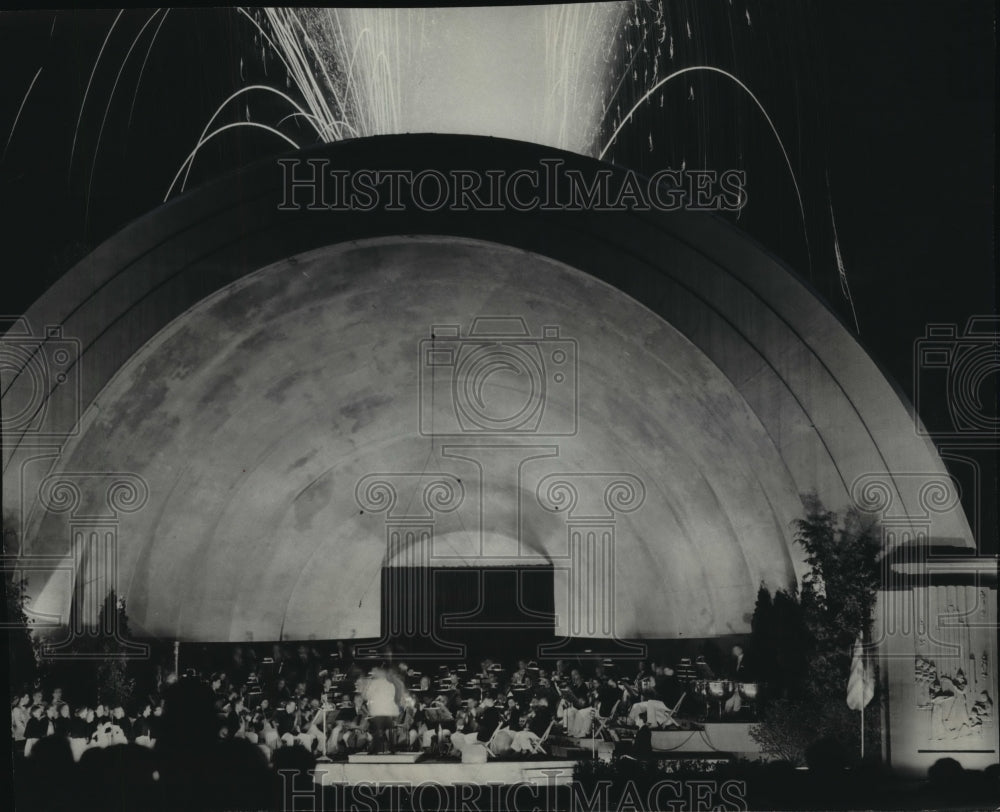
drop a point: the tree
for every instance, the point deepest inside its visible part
(115, 681)
(780, 642)
(94, 666)
(808, 635)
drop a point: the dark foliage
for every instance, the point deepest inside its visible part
(804, 639)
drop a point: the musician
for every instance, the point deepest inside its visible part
(236, 717)
(578, 712)
(351, 730)
(740, 669)
(702, 668)
(644, 675)
(540, 716)
(288, 722)
(485, 669)
(489, 719)
(609, 694)
(381, 696)
(545, 690)
(405, 731)
(738, 672)
(280, 693)
(652, 710)
(469, 715)
(520, 675)
(578, 685)
(433, 716)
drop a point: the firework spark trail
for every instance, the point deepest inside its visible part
(625, 75)
(264, 36)
(841, 270)
(206, 136)
(364, 60)
(334, 17)
(90, 81)
(311, 46)
(17, 117)
(567, 27)
(284, 44)
(145, 59)
(250, 124)
(377, 97)
(301, 71)
(712, 69)
(107, 110)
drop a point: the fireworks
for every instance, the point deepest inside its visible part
(648, 84)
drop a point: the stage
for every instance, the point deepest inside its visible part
(712, 740)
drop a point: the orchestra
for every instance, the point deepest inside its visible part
(454, 710)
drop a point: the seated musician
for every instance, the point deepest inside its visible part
(286, 721)
(434, 721)
(520, 675)
(540, 716)
(643, 674)
(236, 717)
(485, 669)
(467, 719)
(425, 732)
(444, 708)
(651, 710)
(513, 709)
(321, 714)
(470, 720)
(351, 729)
(292, 727)
(545, 690)
(609, 694)
(578, 712)
(489, 719)
(405, 732)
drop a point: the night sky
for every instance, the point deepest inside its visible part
(885, 108)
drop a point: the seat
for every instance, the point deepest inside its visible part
(672, 712)
(602, 722)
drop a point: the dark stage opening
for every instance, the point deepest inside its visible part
(467, 613)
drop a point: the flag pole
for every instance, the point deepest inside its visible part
(862, 732)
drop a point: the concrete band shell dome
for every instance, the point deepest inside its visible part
(245, 368)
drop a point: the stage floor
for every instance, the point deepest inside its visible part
(551, 773)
